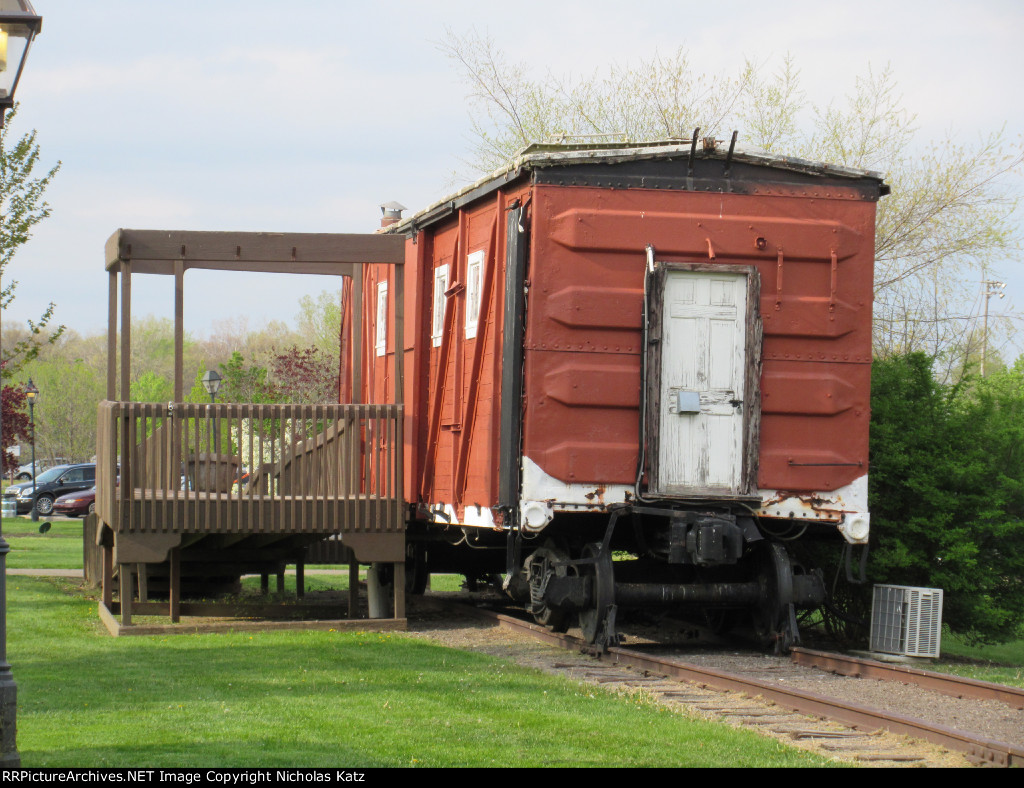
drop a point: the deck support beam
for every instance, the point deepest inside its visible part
(399, 575)
(124, 575)
(107, 575)
(353, 587)
(174, 594)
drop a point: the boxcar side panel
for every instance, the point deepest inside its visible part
(814, 256)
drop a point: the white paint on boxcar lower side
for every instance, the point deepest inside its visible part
(544, 496)
(846, 508)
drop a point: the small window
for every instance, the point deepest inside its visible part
(440, 285)
(474, 279)
(382, 318)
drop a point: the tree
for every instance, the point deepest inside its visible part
(947, 491)
(22, 207)
(65, 413)
(15, 424)
(245, 382)
(305, 375)
(949, 214)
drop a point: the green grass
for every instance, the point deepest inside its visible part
(58, 548)
(1003, 663)
(321, 699)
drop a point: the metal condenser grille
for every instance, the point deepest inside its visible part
(906, 620)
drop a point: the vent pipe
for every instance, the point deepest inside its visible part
(391, 213)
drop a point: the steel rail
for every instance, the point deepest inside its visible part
(987, 750)
(955, 686)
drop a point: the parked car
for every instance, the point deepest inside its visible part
(76, 504)
(50, 485)
(42, 464)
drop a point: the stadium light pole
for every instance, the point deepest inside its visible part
(19, 25)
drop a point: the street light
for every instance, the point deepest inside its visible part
(211, 382)
(31, 393)
(19, 25)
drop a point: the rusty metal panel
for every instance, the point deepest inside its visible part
(806, 234)
(814, 257)
(455, 391)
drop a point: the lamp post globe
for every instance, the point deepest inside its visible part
(212, 382)
(19, 25)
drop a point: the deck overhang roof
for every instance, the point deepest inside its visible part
(329, 254)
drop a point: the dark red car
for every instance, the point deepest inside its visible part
(76, 504)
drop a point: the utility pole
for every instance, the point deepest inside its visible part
(991, 288)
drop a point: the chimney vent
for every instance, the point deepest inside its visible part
(391, 213)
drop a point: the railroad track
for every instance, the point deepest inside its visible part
(784, 710)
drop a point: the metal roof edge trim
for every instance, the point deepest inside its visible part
(539, 156)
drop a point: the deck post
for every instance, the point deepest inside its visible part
(112, 335)
(126, 330)
(357, 335)
(300, 577)
(179, 330)
(124, 574)
(143, 572)
(399, 575)
(107, 581)
(376, 593)
(264, 583)
(174, 595)
(353, 587)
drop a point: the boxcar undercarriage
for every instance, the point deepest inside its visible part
(715, 566)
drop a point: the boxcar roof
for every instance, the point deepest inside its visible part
(666, 164)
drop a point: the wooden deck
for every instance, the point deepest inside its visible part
(259, 483)
(231, 486)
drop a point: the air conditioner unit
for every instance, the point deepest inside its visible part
(906, 620)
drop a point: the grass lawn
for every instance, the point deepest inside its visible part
(1001, 664)
(321, 699)
(58, 548)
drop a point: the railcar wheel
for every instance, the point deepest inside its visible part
(543, 564)
(773, 623)
(596, 621)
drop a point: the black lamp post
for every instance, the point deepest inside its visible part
(212, 382)
(31, 393)
(19, 25)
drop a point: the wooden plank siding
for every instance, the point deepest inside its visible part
(316, 469)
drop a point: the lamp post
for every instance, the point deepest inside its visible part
(19, 25)
(212, 382)
(31, 393)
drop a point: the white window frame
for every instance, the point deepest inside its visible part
(382, 318)
(437, 319)
(474, 286)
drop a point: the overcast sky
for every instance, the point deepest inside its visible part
(305, 115)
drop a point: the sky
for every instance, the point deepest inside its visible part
(306, 115)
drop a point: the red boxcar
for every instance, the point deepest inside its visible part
(659, 348)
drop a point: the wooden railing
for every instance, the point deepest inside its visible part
(243, 468)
